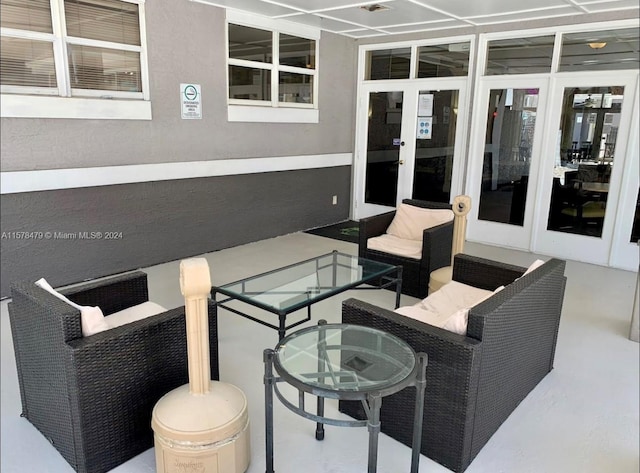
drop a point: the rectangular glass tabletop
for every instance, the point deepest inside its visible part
(293, 287)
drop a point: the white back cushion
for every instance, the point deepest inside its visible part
(91, 318)
(410, 221)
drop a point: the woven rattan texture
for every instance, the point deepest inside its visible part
(436, 248)
(474, 382)
(92, 397)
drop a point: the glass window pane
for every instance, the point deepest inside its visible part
(383, 147)
(600, 50)
(297, 88)
(585, 158)
(250, 44)
(249, 84)
(443, 60)
(388, 64)
(104, 69)
(105, 20)
(297, 52)
(509, 139)
(435, 146)
(520, 55)
(34, 15)
(27, 63)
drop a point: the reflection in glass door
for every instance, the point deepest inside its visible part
(435, 144)
(507, 157)
(584, 161)
(383, 148)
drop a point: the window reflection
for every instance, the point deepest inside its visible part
(584, 159)
(435, 146)
(507, 156)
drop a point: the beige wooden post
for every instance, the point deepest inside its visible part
(461, 206)
(195, 285)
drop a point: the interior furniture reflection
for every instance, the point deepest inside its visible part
(475, 381)
(92, 396)
(579, 197)
(434, 252)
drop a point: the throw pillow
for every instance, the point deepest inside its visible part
(91, 318)
(536, 264)
(410, 221)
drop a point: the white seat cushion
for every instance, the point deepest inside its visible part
(448, 307)
(131, 314)
(397, 246)
(410, 221)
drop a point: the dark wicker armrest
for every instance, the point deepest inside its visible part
(484, 273)
(436, 246)
(111, 294)
(162, 333)
(374, 226)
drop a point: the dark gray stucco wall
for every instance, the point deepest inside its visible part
(155, 222)
(186, 44)
(168, 220)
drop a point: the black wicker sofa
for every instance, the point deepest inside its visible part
(474, 382)
(93, 396)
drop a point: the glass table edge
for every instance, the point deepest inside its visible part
(408, 380)
(223, 289)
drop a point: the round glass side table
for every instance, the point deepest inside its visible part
(344, 362)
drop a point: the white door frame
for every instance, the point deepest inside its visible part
(567, 245)
(624, 253)
(410, 90)
(496, 233)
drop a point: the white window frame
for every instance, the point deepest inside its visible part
(66, 102)
(273, 111)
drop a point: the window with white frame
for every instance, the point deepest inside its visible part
(91, 49)
(272, 73)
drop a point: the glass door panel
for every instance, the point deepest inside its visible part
(507, 157)
(383, 148)
(584, 161)
(435, 144)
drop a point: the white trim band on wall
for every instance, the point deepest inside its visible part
(52, 179)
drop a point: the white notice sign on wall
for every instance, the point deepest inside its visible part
(191, 100)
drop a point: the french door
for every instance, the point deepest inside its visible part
(409, 142)
(583, 188)
(506, 144)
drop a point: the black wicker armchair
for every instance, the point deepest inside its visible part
(474, 382)
(92, 397)
(436, 248)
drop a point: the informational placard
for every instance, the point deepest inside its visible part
(423, 131)
(191, 99)
(425, 105)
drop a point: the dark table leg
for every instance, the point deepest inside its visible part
(321, 367)
(282, 320)
(373, 425)
(268, 406)
(421, 384)
(398, 286)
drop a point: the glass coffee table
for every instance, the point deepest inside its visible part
(344, 362)
(300, 285)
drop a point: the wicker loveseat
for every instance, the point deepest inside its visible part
(93, 396)
(436, 248)
(474, 382)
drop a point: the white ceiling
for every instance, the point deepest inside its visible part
(406, 16)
